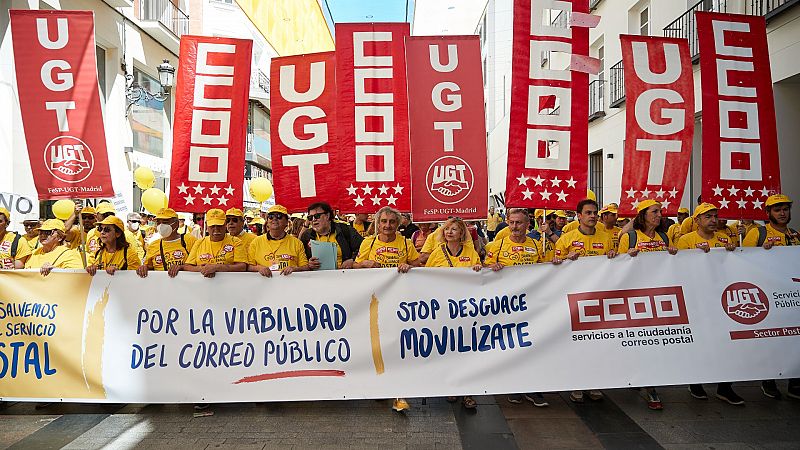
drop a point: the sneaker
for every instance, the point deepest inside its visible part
(698, 392)
(537, 399)
(515, 399)
(576, 396)
(770, 389)
(400, 405)
(727, 395)
(653, 400)
(595, 396)
(794, 389)
(201, 406)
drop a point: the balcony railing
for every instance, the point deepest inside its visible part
(165, 12)
(596, 100)
(770, 8)
(593, 4)
(263, 81)
(560, 21)
(685, 26)
(617, 96)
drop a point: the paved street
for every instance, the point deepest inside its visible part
(622, 420)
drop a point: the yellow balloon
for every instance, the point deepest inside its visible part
(154, 200)
(590, 195)
(260, 189)
(144, 177)
(63, 209)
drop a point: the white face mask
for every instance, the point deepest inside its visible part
(165, 229)
(134, 226)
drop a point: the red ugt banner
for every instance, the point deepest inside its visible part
(210, 132)
(372, 116)
(548, 130)
(448, 128)
(54, 57)
(303, 125)
(659, 89)
(740, 143)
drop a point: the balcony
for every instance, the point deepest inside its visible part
(617, 86)
(685, 26)
(770, 8)
(163, 20)
(593, 4)
(259, 86)
(596, 100)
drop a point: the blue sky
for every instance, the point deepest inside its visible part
(338, 11)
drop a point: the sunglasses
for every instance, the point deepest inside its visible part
(30, 225)
(233, 219)
(87, 216)
(45, 233)
(134, 221)
(104, 215)
(316, 216)
(279, 216)
(108, 229)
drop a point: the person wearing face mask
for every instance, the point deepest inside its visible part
(14, 250)
(106, 209)
(115, 252)
(169, 252)
(218, 251)
(324, 228)
(53, 253)
(135, 227)
(234, 223)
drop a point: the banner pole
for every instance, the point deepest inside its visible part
(83, 238)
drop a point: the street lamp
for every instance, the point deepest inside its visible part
(135, 92)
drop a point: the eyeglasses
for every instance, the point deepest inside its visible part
(108, 229)
(233, 219)
(43, 234)
(316, 216)
(279, 216)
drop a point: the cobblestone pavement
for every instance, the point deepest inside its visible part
(622, 420)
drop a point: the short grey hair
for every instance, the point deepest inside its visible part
(388, 210)
(134, 216)
(522, 211)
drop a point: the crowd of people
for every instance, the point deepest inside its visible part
(277, 242)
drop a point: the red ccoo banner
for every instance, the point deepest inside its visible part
(54, 58)
(659, 91)
(740, 142)
(209, 136)
(372, 115)
(548, 130)
(448, 129)
(303, 125)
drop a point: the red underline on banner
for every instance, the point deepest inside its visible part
(766, 333)
(796, 280)
(291, 374)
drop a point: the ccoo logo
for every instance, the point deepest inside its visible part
(69, 159)
(745, 303)
(449, 180)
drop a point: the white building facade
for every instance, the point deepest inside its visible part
(673, 18)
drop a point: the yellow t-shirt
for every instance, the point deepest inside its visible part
(6, 261)
(502, 234)
(93, 242)
(773, 235)
(614, 232)
(674, 233)
(440, 256)
(435, 239)
(688, 225)
(174, 252)
(574, 226)
(387, 254)
(227, 251)
(33, 243)
(246, 237)
(103, 259)
(595, 244)
(331, 237)
(492, 221)
(643, 242)
(62, 257)
(693, 240)
(277, 254)
(747, 228)
(361, 228)
(510, 253)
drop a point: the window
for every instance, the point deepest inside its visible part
(644, 22)
(100, 55)
(601, 55)
(596, 174)
(147, 118)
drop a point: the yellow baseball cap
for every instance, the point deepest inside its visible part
(278, 209)
(114, 220)
(703, 208)
(5, 212)
(88, 210)
(167, 213)
(215, 217)
(684, 211)
(236, 212)
(561, 213)
(646, 204)
(52, 224)
(777, 198)
(538, 213)
(106, 207)
(258, 220)
(609, 208)
(249, 214)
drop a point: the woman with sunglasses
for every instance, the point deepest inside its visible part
(14, 250)
(115, 252)
(451, 252)
(276, 250)
(53, 253)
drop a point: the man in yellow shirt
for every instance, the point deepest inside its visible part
(234, 222)
(674, 232)
(31, 235)
(586, 239)
(608, 217)
(14, 250)
(706, 237)
(53, 253)
(361, 224)
(492, 221)
(646, 236)
(218, 251)
(171, 251)
(276, 250)
(78, 238)
(518, 248)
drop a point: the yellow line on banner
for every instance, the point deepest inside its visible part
(375, 335)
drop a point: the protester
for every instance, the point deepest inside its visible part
(432, 241)
(115, 252)
(31, 235)
(14, 249)
(563, 223)
(407, 228)
(705, 219)
(218, 251)
(198, 228)
(52, 253)
(323, 228)
(276, 250)
(674, 231)
(258, 226)
(106, 209)
(421, 236)
(547, 229)
(608, 218)
(234, 223)
(361, 224)
(492, 221)
(171, 251)
(134, 227)
(78, 237)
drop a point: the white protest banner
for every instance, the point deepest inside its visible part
(20, 205)
(652, 320)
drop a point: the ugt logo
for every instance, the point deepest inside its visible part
(449, 180)
(69, 159)
(745, 303)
